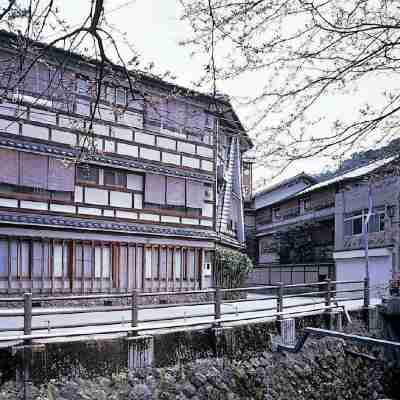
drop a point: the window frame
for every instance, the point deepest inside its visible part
(115, 173)
(80, 180)
(362, 216)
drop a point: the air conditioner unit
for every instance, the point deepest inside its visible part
(207, 270)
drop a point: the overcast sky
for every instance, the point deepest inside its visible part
(155, 28)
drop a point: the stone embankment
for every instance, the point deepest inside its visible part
(322, 371)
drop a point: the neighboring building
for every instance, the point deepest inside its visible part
(143, 210)
(352, 203)
(334, 210)
(283, 206)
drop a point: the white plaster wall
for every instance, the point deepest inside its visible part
(34, 131)
(150, 154)
(127, 149)
(42, 116)
(63, 137)
(138, 201)
(170, 219)
(101, 129)
(120, 199)
(33, 205)
(78, 194)
(126, 214)
(83, 107)
(96, 196)
(205, 151)
(108, 213)
(131, 119)
(89, 211)
(186, 147)
(121, 133)
(190, 221)
(206, 222)
(166, 143)
(8, 203)
(190, 162)
(144, 138)
(109, 146)
(70, 122)
(206, 165)
(208, 210)
(13, 110)
(170, 158)
(150, 217)
(9, 126)
(63, 208)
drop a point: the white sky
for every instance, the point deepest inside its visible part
(154, 27)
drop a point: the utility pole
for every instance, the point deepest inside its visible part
(365, 227)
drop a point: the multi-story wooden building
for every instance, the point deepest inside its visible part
(134, 202)
(333, 212)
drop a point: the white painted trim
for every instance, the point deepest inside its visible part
(382, 252)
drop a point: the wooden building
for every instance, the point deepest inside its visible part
(133, 203)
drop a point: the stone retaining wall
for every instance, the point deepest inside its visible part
(322, 371)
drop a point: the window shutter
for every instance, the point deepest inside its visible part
(155, 189)
(34, 170)
(156, 110)
(176, 115)
(61, 177)
(9, 166)
(175, 191)
(194, 194)
(196, 120)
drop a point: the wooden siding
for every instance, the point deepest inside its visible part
(45, 265)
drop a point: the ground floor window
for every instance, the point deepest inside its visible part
(81, 266)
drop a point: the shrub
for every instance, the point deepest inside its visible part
(232, 268)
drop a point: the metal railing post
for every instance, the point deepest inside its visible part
(135, 310)
(279, 300)
(217, 303)
(366, 293)
(27, 351)
(328, 295)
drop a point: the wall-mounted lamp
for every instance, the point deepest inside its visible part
(391, 210)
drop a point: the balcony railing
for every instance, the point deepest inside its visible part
(296, 211)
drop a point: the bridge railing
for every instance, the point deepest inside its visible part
(279, 301)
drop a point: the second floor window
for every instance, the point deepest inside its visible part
(354, 225)
(114, 178)
(87, 174)
(276, 212)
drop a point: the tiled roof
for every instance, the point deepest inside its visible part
(119, 162)
(348, 175)
(98, 225)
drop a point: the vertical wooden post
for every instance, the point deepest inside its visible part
(27, 358)
(279, 300)
(328, 295)
(134, 309)
(366, 293)
(127, 268)
(9, 265)
(217, 303)
(93, 265)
